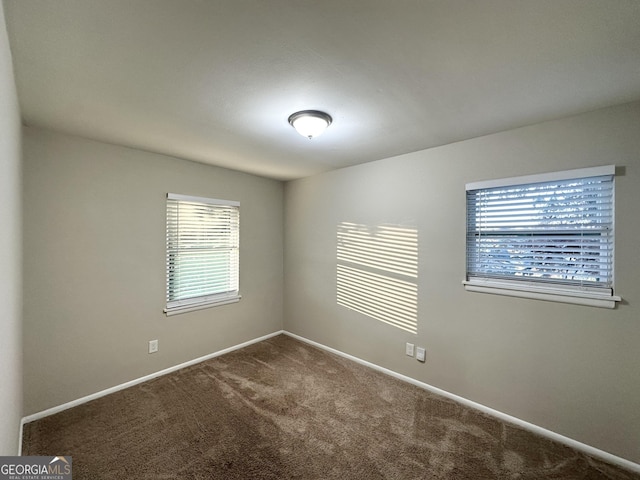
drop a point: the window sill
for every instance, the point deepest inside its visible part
(191, 307)
(576, 297)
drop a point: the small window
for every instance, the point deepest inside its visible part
(544, 236)
(202, 253)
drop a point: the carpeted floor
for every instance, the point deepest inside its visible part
(281, 409)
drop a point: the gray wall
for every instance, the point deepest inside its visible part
(574, 370)
(94, 265)
(10, 253)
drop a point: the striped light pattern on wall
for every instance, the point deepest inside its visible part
(377, 273)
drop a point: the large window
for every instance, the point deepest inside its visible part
(544, 236)
(202, 252)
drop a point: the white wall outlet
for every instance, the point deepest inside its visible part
(153, 346)
(409, 349)
(421, 354)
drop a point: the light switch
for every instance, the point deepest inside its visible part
(409, 349)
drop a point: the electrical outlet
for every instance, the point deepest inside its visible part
(409, 349)
(153, 346)
(421, 354)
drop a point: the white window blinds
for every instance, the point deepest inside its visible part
(553, 234)
(202, 252)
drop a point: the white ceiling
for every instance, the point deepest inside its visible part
(215, 80)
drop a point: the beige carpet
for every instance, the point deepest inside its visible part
(281, 409)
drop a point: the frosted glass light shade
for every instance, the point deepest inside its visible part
(310, 123)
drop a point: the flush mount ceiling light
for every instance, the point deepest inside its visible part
(310, 123)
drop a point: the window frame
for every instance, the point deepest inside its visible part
(198, 302)
(540, 289)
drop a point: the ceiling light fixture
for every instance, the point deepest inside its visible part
(310, 123)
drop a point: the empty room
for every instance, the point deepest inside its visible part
(293, 239)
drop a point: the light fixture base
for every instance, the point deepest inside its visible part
(310, 123)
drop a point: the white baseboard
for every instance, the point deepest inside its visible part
(583, 447)
(122, 386)
(20, 437)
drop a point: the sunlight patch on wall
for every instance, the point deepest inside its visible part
(377, 273)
